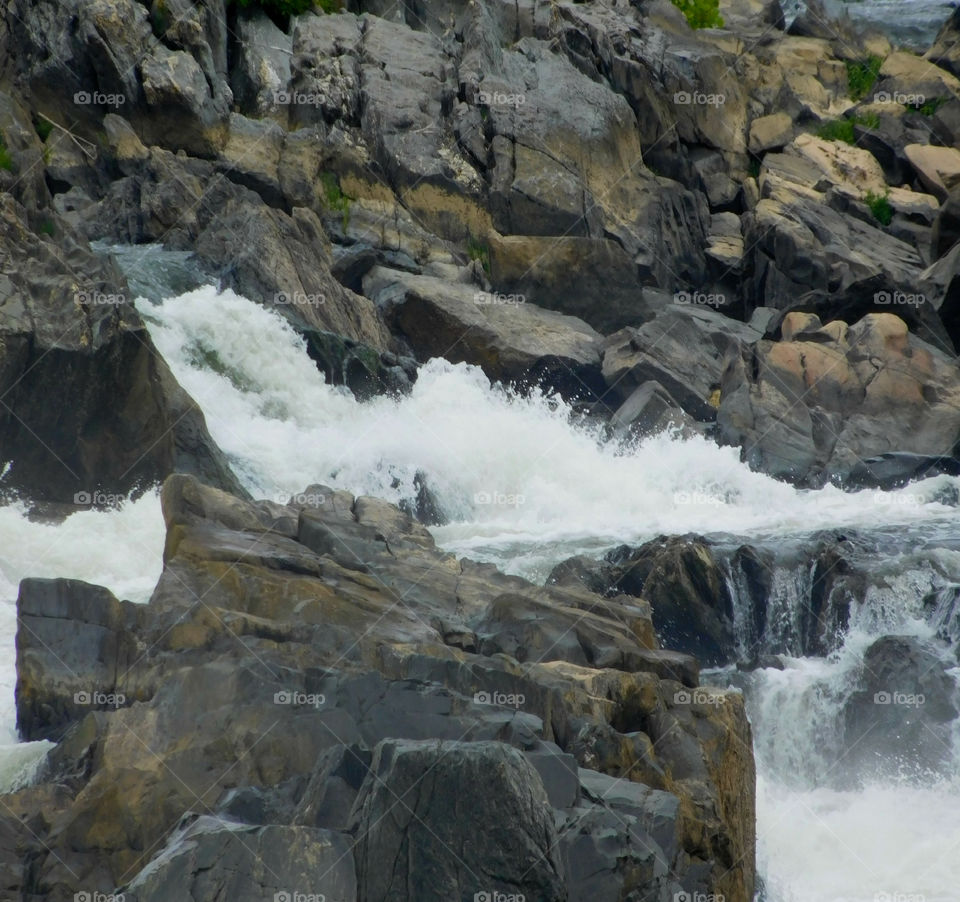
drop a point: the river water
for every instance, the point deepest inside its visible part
(524, 483)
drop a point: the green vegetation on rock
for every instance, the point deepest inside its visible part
(701, 13)
(861, 75)
(477, 250)
(931, 106)
(43, 127)
(842, 129)
(879, 205)
(334, 198)
(6, 159)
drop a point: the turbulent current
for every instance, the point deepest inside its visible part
(523, 483)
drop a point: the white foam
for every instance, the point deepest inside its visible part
(512, 473)
(119, 549)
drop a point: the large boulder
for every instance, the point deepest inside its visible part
(209, 857)
(415, 844)
(91, 411)
(684, 584)
(512, 340)
(685, 349)
(815, 405)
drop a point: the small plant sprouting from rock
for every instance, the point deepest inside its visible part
(334, 198)
(879, 205)
(477, 250)
(842, 129)
(47, 228)
(701, 13)
(43, 127)
(861, 76)
(931, 106)
(6, 159)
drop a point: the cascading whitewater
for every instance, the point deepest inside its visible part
(522, 482)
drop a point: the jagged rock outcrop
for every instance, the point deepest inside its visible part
(828, 397)
(302, 666)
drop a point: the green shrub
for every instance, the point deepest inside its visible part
(837, 130)
(6, 159)
(334, 198)
(46, 228)
(283, 7)
(931, 106)
(43, 127)
(477, 250)
(862, 75)
(842, 129)
(701, 13)
(879, 205)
